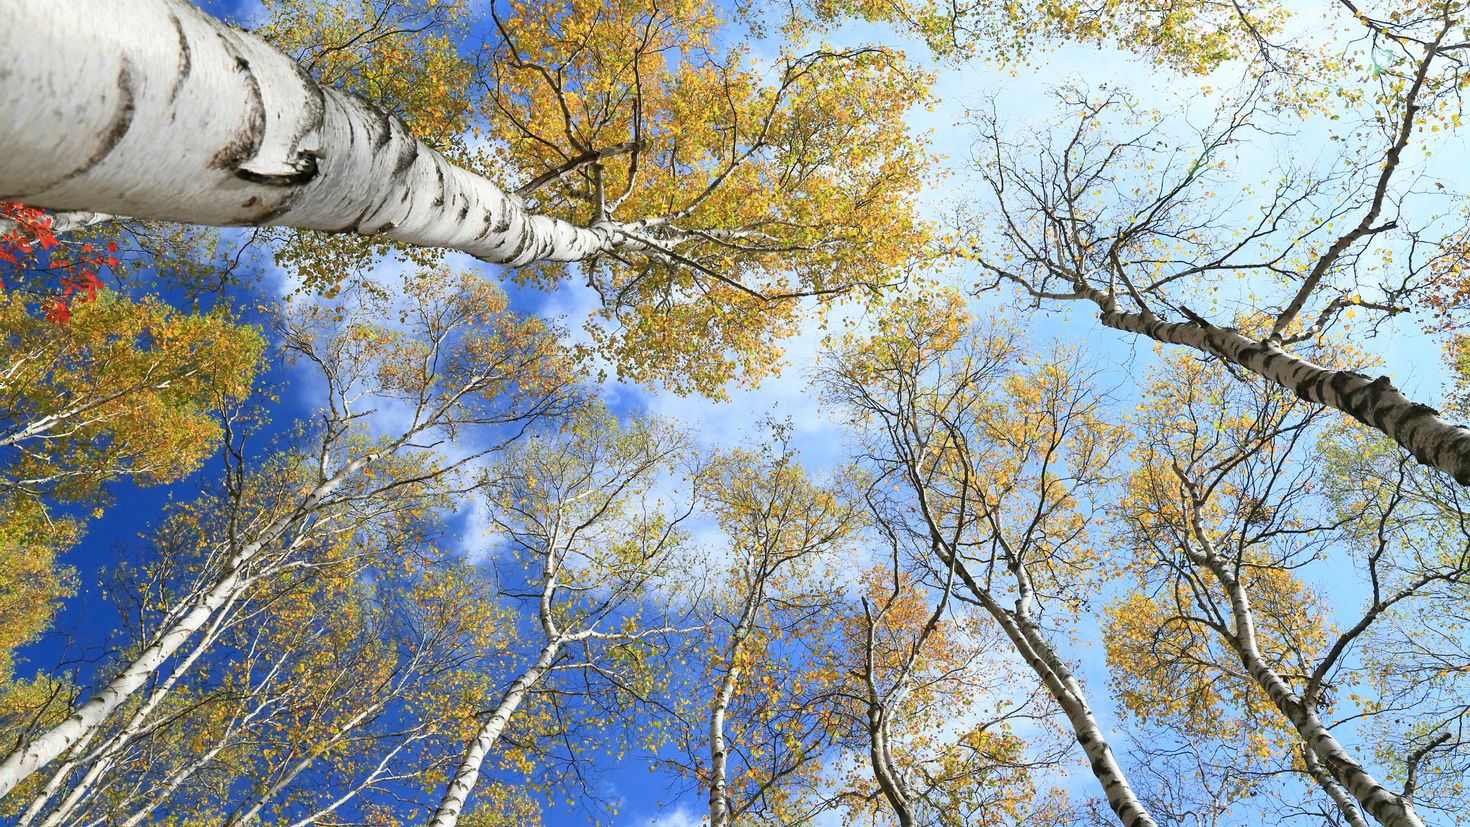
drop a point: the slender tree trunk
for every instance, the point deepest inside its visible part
(250, 811)
(884, 769)
(1374, 402)
(100, 759)
(153, 109)
(62, 222)
(719, 752)
(47, 746)
(1032, 645)
(1069, 694)
(1386, 807)
(451, 805)
(1344, 802)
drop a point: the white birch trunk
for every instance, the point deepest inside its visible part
(1031, 644)
(153, 109)
(451, 805)
(719, 750)
(102, 758)
(1033, 647)
(63, 222)
(1374, 402)
(45, 747)
(1386, 807)
(1344, 802)
(719, 793)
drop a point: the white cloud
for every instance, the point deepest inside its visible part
(679, 816)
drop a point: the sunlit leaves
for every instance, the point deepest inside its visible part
(124, 387)
(749, 186)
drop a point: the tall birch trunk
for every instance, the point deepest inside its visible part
(1033, 647)
(1374, 402)
(153, 109)
(451, 805)
(719, 750)
(1386, 807)
(46, 746)
(1069, 695)
(1344, 802)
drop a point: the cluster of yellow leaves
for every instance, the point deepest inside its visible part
(32, 587)
(501, 805)
(133, 382)
(799, 179)
(126, 388)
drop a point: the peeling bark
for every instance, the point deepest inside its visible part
(152, 109)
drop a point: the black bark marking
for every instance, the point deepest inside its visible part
(407, 154)
(186, 58)
(504, 223)
(522, 243)
(122, 119)
(303, 163)
(316, 106)
(262, 212)
(439, 172)
(305, 172)
(384, 122)
(246, 142)
(355, 224)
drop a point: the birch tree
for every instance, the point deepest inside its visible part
(305, 704)
(585, 541)
(461, 362)
(125, 390)
(1140, 220)
(759, 716)
(1223, 504)
(207, 124)
(991, 466)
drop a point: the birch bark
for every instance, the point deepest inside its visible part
(153, 109)
(1374, 402)
(1031, 643)
(719, 751)
(85, 721)
(1386, 807)
(451, 805)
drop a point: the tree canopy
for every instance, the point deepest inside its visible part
(665, 412)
